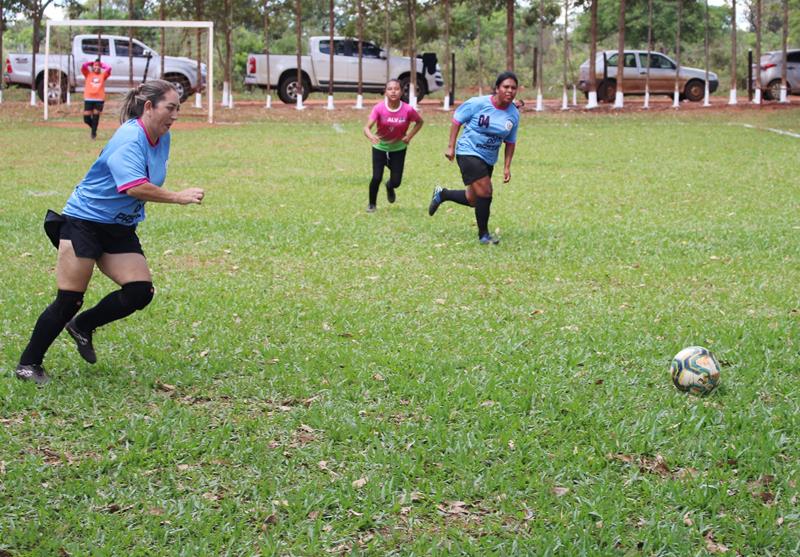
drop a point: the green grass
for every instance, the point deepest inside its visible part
(508, 400)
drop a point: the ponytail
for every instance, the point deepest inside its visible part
(133, 102)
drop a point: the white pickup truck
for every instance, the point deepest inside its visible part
(64, 69)
(315, 69)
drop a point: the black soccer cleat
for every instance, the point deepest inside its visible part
(487, 239)
(436, 200)
(83, 341)
(32, 372)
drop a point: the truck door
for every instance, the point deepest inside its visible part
(121, 66)
(373, 67)
(322, 63)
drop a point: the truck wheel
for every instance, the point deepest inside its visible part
(57, 87)
(181, 83)
(405, 83)
(695, 90)
(287, 89)
(607, 91)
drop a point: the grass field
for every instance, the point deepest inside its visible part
(313, 380)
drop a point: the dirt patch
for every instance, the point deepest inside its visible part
(247, 111)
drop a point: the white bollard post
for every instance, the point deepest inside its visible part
(706, 96)
(198, 100)
(330, 103)
(225, 86)
(646, 99)
(268, 102)
(69, 98)
(412, 96)
(592, 100)
(732, 97)
(359, 102)
(1, 95)
(230, 100)
(33, 97)
(619, 100)
(784, 96)
(446, 105)
(676, 99)
(564, 100)
(574, 95)
(299, 105)
(539, 101)
(757, 96)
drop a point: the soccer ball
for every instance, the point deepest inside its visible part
(695, 370)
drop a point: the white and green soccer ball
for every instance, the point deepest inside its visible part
(695, 370)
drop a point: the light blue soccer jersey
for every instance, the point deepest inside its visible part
(128, 160)
(485, 128)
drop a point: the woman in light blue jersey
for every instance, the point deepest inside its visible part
(488, 122)
(99, 226)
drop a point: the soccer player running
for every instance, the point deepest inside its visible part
(94, 92)
(99, 226)
(488, 121)
(392, 118)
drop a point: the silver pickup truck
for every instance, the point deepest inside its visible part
(316, 67)
(64, 69)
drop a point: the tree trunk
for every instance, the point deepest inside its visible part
(330, 50)
(99, 30)
(266, 42)
(758, 48)
(447, 52)
(649, 46)
(540, 42)
(510, 35)
(387, 40)
(37, 23)
(2, 60)
(412, 47)
(299, 30)
(480, 59)
(566, 42)
(784, 84)
(593, 47)
(228, 46)
(162, 15)
(131, 17)
(360, 48)
(621, 51)
(678, 47)
(733, 48)
(199, 12)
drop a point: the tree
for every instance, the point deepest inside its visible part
(733, 53)
(785, 60)
(758, 52)
(266, 44)
(412, 48)
(678, 52)
(34, 10)
(620, 56)
(510, 35)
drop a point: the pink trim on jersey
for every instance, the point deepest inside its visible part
(129, 185)
(457, 122)
(491, 98)
(150, 141)
(393, 124)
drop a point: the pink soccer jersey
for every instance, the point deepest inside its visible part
(393, 124)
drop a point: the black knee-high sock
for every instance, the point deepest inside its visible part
(457, 196)
(95, 122)
(87, 119)
(50, 324)
(118, 304)
(482, 206)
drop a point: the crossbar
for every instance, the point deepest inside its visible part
(133, 23)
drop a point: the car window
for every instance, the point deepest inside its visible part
(121, 46)
(629, 59)
(89, 46)
(793, 57)
(338, 47)
(368, 50)
(657, 62)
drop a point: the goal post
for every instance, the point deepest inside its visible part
(209, 25)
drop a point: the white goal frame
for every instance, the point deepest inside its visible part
(134, 23)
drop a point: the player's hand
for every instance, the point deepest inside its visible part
(506, 175)
(191, 195)
(450, 153)
(375, 139)
(406, 139)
